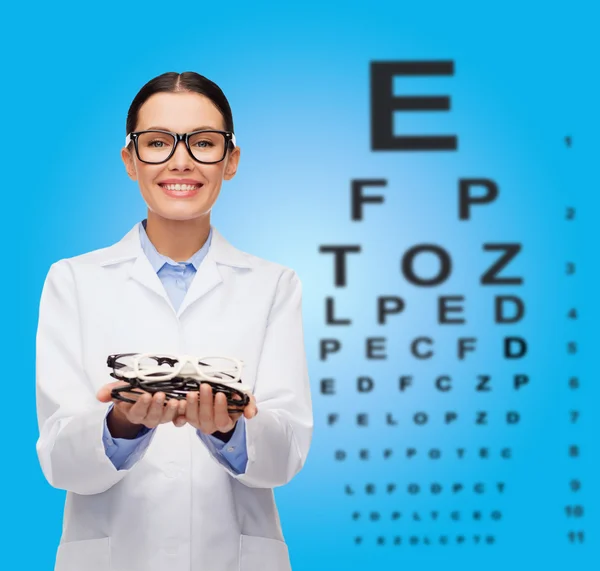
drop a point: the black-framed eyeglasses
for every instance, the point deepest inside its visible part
(206, 146)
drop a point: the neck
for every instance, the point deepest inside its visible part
(177, 239)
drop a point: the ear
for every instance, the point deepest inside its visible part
(129, 163)
(232, 164)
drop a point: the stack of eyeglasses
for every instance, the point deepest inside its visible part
(177, 375)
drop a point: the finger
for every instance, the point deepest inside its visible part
(182, 407)
(180, 421)
(133, 396)
(206, 415)
(251, 409)
(221, 417)
(170, 411)
(124, 408)
(235, 415)
(191, 408)
(237, 397)
(103, 394)
(138, 411)
(155, 411)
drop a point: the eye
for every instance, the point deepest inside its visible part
(204, 143)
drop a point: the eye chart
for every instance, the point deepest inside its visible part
(454, 383)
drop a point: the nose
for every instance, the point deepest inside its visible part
(181, 160)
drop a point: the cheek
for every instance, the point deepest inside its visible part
(213, 173)
(147, 177)
(149, 173)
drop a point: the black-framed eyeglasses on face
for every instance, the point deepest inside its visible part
(206, 146)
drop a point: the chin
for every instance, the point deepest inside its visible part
(183, 212)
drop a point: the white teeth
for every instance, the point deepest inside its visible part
(183, 187)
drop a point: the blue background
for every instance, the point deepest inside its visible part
(297, 78)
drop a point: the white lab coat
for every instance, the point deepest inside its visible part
(178, 507)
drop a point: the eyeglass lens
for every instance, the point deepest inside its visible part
(155, 147)
(143, 363)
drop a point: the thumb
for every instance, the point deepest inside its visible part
(103, 394)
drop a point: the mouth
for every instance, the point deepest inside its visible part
(180, 190)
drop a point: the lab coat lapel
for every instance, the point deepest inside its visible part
(208, 275)
(143, 272)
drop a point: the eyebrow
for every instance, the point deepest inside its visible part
(194, 129)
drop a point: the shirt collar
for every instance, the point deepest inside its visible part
(158, 260)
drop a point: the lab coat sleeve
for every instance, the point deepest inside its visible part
(70, 446)
(232, 453)
(123, 452)
(278, 437)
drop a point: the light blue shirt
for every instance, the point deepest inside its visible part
(176, 278)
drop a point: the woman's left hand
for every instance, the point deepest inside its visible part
(210, 414)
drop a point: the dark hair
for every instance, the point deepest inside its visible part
(173, 82)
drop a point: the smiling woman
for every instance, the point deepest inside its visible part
(155, 483)
(170, 110)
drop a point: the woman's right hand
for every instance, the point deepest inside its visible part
(125, 420)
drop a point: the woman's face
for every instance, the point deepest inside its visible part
(181, 112)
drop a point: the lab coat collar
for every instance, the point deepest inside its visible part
(207, 277)
(220, 250)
